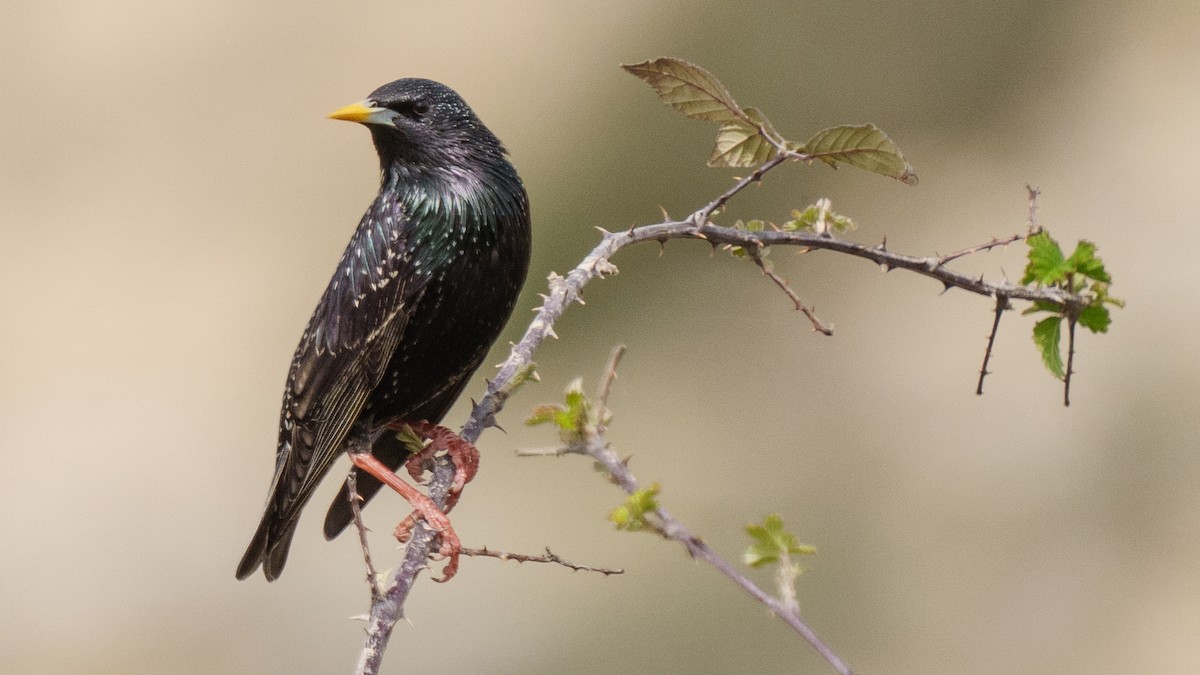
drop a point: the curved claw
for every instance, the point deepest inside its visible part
(450, 548)
(464, 455)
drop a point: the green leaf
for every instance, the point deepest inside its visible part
(742, 142)
(1046, 264)
(572, 419)
(410, 440)
(818, 217)
(576, 399)
(864, 146)
(771, 542)
(690, 89)
(1095, 318)
(1047, 335)
(1084, 261)
(1048, 267)
(631, 516)
(743, 137)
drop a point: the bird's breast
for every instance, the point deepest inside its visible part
(470, 267)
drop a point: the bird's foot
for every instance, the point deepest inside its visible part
(450, 546)
(422, 505)
(464, 455)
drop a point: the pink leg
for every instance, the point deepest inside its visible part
(423, 505)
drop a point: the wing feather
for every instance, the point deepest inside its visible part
(340, 360)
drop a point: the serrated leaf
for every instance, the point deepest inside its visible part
(1084, 261)
(572, 419)
(1095, 318)
(818, 217)
(1046, 263)
(631, 516)
(741, 142)
(688, 88)
(771, 542)
(803, 220)
(864, 146)
(1047, 335)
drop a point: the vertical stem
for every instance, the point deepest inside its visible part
(1070, 360)
(1001, 305)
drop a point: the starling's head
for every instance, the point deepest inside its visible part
(421, 125)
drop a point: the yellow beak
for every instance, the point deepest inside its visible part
(363, 113)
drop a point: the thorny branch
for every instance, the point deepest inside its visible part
(356, 509)
(549, 557)
(782, 283)
(1031, 228)
(1001, 305)
(389, 609)
(565, 290)
(1002, 302)
(1071, 321)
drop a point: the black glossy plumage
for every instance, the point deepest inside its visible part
(423, 289)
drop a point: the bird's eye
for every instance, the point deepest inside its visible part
(413, 110)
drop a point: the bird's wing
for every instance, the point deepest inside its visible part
(342, 355)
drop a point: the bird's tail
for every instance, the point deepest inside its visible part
(269, 547)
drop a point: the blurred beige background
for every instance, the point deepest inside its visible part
(172, 202)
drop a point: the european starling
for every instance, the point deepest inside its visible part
(423, 289)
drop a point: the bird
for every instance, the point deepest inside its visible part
(423, 289)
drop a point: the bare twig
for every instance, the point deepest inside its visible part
(610, 375)
(549, 557)
(1033, 192)
(1071, 321)
(702, 216)
(1031, 228)
(356, 509)
(1001, 305)
(783, 286)
(547, 452)
(979, 248)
